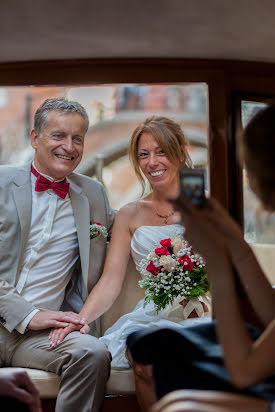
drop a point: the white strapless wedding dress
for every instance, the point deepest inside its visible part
(144, 239)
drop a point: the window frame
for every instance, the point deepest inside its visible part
(225, 80)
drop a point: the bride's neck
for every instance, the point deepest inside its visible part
(157, 197)
(161, 196)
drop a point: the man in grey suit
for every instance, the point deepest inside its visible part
(48, 264)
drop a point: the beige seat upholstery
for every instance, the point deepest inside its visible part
(47, 382)
(122, 381)
(119, 383)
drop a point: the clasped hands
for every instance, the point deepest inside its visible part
(62, 323)
(57, 335)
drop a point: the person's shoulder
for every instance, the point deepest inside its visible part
(130, 210)
(126, 215)
(9, 172)
(85, 182)
(10, 169)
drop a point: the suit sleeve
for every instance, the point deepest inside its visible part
(13, 308)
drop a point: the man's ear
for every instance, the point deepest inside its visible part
(34, 136)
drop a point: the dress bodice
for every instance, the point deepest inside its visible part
(146, 237)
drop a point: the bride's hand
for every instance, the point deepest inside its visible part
(57, 336)
(194, 314)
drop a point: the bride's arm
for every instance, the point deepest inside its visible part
(109, 285)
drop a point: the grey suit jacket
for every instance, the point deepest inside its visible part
(89, 201)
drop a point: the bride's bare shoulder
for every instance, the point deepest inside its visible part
(135, 214)
(132, 209)
(135, 211)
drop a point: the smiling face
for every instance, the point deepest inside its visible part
(154, 164)
(59, 147)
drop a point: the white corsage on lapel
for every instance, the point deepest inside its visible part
(97, 229)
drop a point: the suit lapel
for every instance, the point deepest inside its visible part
(23, 200)
(81, 210)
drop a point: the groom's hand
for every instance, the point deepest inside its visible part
(54, 319)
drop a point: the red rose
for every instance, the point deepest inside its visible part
(166, 242)
(186, 262)
(95, 223)
(162, 251)
(153, 269)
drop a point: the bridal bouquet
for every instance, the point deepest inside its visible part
(172, 269)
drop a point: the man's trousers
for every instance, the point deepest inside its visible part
(82, 361)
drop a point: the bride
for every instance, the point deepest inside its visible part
(158, 149)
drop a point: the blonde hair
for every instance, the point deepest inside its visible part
(169, 137)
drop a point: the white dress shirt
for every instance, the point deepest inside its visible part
(51, 252)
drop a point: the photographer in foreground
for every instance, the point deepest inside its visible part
(18, 392)
(243, 362)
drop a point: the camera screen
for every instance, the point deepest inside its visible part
(192, 186)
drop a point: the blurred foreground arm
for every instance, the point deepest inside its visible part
(18, 385)
(247, 362)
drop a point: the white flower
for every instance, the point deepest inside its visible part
(177, 244)
(151, 255)
(167, 262)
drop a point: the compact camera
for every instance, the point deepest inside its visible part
(192, 185)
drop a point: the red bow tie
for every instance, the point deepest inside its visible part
(41, 184)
